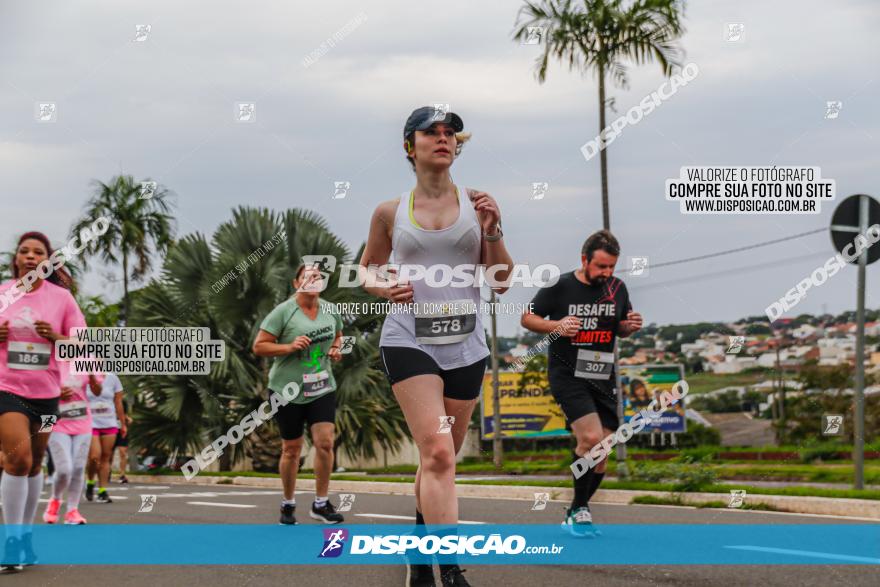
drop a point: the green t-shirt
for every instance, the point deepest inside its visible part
(308, 368)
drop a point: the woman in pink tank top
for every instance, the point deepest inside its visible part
(36, 309)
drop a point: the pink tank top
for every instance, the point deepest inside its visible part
(74, 415)
(27, 360)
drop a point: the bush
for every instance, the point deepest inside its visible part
(694, 476)
(820, 452)
(650, 472)
(689, 474)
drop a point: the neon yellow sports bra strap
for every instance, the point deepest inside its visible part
(412, 204)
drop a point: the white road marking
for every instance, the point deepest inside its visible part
(392, 517)
(810, 553)
(740, 511)
(113, 497)
(219, 493)
(222, 505)
(151, 487)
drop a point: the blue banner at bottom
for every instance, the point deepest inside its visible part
(492, 544)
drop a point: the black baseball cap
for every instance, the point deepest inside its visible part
(424, 117)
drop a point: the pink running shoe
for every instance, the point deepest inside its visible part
(74, 517)
(50, 516)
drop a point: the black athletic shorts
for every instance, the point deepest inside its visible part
(463, 383)
(121, 440)
(292, 417)
(32, 408)
(578, 397)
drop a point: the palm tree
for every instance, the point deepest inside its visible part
(600, 36)
(139, 226)
(6, 260)
(177, 414)
(97, 312)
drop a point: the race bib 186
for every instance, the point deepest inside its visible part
(28, 356)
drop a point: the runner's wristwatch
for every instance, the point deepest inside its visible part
(496, 237)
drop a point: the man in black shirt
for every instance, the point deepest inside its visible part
(584, 312)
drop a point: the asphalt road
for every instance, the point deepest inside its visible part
(189, 504)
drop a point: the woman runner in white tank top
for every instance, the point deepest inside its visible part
(434, 349)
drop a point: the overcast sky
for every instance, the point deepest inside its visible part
(165, 108)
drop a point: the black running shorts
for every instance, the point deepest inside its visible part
(32, 408)
(292, 417)
(578, 397)
(463, 383)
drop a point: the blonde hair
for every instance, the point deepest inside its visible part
(460, 139)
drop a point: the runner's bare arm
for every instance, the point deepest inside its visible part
(266, 345)
(378, 251)
(120, 412)
(631, 325)
(494, 253)
(334, 352)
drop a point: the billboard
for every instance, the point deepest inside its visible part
(530, 412)
(643, 383)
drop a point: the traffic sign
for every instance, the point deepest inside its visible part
(845, 224)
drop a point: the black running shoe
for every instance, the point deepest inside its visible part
(90, 491)
(28, 556)
(11, 556)
(287, 514)
(104, 497)
(453, 578)
(419, 576)
(326, 513)
(123, 480)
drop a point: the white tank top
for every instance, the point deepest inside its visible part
(446, 334)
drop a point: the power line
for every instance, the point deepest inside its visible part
(736, 250)
(723, 273)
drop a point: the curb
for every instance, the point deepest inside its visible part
(845, 507)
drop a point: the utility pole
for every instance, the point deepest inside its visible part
(497, 444)
(782, 429)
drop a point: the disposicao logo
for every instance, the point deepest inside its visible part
(334, 540)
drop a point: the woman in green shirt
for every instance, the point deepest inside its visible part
(302, 335)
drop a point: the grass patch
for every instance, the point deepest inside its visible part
(676, 500)
(703, 382)
(656, 500)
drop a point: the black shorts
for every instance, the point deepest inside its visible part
(32, 408)
(292, 417)
(463, 383)
(121, 440)
(578, 397)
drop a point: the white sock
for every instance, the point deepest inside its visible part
(320, 501)
(35, 486)
(288, 501)
(14, 492)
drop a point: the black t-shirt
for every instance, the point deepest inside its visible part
(601, 308)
